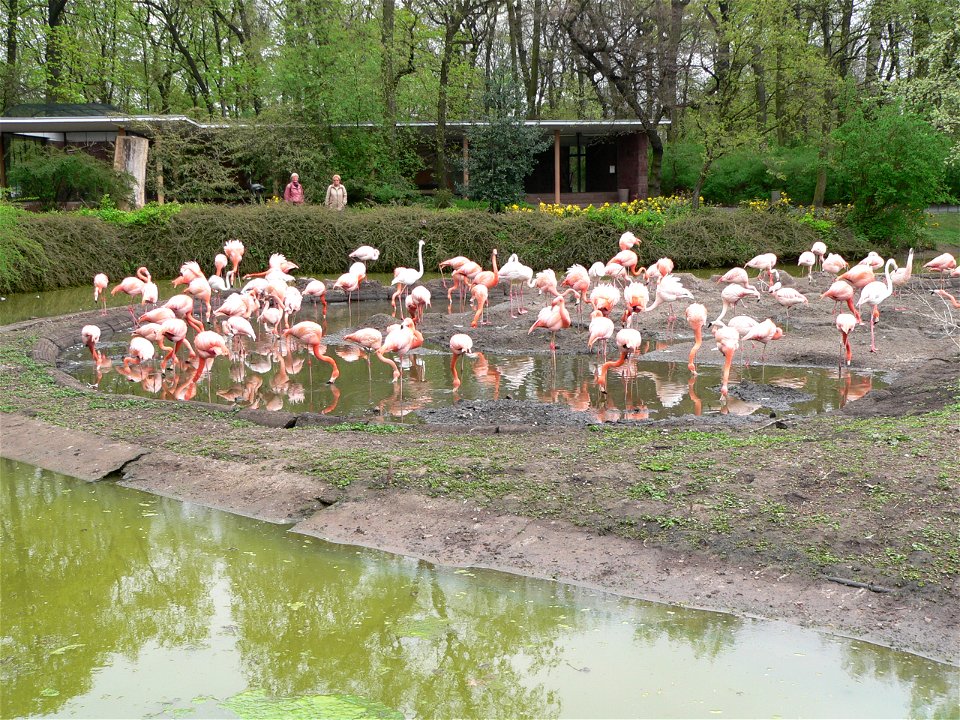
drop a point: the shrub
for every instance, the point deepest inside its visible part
(53, 175)
(18, 254)
(69, 248)
(895, 162)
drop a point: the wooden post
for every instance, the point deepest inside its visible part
(556, 166)
(466, 158)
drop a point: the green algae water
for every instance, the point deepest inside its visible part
(120, 604)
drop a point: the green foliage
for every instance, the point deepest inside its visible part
(17, 253)
(73, 248)
(53, 175)
(503, 151)
(894, 161)
(148, 214)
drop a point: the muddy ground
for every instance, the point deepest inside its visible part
(846, 521)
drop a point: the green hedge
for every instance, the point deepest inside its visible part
(67, 249)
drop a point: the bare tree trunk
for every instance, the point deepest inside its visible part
(387, 22)
(440, 165)
(54, 61)
(10, 78)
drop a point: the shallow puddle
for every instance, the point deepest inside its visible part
(118, 604)
(275, 375)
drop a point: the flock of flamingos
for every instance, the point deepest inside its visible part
(614, 292)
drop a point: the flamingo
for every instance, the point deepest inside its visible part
(554, 317)
(629, 341)
(417, 301)
(405, 277)
(873, 260)
(578, 280)
(943, 263)
(140, 350)
(237, 325)
(316, 288)
(728, 342)
(807, 259)
(743, 324)
(731, 295)
(764, 332)
(174, 330)
(604, 297)
(100, 282)
(400, 340)
(488, 278)
(479, 295)
(365, 253)
(234, 250)
(133, 285)
(627, 241)
(236, 305)
(207, 345)
(454, 263)
(635, 296)
(601, 329)
(220, 263)
(947, 297)
(819, 249)
(841, 291)
(199, 288)
(358, 269)
(278, 263)
(90, 334)
(188, 271)
(311, 334)
(874, 294)
(834, 263)
(628, 258)
(787, 297)
(157, 315)
(765, 261)
(901, 276)
(370, 339)
(845, 324)
(516, 273)
(182, 307)
(460, 344)
(546, 282)
(595, 273)
(696, 319)
(859, 276)
(348, 283)
(735, 276)
(463, 275)
(669, 290)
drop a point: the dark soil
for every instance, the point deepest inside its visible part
(746, 514)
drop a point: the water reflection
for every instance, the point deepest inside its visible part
(276, 374)
(121, 604)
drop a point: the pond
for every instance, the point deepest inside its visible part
(122, 604)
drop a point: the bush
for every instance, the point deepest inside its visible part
(54, 176)
(69, 249)
(895, 162)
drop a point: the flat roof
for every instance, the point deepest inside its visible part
(105, 123)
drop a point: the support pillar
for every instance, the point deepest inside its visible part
(130, 156)
(556, 167)
(466, 159)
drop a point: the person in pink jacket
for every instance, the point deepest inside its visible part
(294, 191)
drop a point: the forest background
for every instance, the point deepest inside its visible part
(815, 97)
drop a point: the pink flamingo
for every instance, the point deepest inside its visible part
(786, 296)
(404, 277)
(875, 293)
(90, 334)
(873, 260)
(370, 339)
(349, 284)
(859, 276)
(207, 345)
(479, 294)
(635, 297)
(947, 297)
(601, 329)
(400, 340)
(735, 276)
(627, 241)
(845, 324)
(696, 319)
(819, 249)
(139, 351)
(182, 307)
(174, 330)
(310, 334)
(365, 253)
(834, 263)
(554, 318)
(460, 344)
(765, 261)
(604, 297)
(841, 291)
(516, 274)
(418, 300)
(100, 282)
(133, 286)
(669, 290)
(728, 342)
(943, 263)
(764, 332)
(234, 250)
(629, 341)
(732, 294)
(316, 288)
(807, 259)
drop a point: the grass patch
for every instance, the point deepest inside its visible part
(372, 428)
(943, 228)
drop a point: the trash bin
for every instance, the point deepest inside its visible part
(623, 194)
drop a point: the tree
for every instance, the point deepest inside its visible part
(891, 188)
(503, 150)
